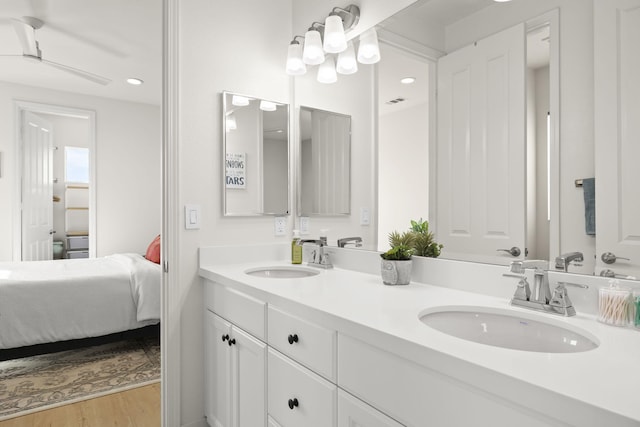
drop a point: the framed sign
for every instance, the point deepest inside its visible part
(235, 175)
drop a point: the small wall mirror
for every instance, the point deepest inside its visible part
(324, 186)
(256, 156)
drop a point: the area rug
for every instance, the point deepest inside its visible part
(46, 381)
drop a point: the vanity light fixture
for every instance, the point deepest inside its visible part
(295, 64)
(369, 51)
(134, 81)
(327, 71)
(407, 80)
(268, 106)
(347, 63)
(330, 38)
(240, 101)
(313, 54)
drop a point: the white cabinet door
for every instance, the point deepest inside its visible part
(249, 383)
(480, 194)
(617, 133)
(353, 412)
(218, 390)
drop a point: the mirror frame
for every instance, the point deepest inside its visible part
(225, 208)
(298, 162)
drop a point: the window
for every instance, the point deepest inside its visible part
(76, 165)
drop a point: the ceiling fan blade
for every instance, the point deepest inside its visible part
(27, 36)
(80, 73)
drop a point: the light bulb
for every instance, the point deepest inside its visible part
(240, 101)
(268, 106)
(334, 38)
(327, 71)
(312, 53)
(368, 51)
(347, 63)
(295, 65)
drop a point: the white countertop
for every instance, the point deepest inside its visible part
(606, 378)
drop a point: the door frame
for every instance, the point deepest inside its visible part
(40, 108)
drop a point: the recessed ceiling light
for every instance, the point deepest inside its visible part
(501, 1)
(408, 80)
(134, 81)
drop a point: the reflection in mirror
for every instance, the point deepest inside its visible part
(325, 163)
(256, 156)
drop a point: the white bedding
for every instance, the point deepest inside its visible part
(48, 301)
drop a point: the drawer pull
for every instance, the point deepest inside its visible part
(232, 341)
(225, 337)
(292, 338)
(293, 403)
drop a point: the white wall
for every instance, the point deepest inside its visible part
(576, 99)
(403, 175)
(128, 167)
(541, 76)
(241, 47)
(224, 46)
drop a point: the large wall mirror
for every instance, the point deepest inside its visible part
(325, 163)
(256, 156)
(544, 213)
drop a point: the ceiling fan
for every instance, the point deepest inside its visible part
(26, 30)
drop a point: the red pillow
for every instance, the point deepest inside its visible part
(153, 251)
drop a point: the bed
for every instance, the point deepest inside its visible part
(51, 301)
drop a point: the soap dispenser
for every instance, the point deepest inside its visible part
(296, 248)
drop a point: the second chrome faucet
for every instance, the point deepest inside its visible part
(540, 298)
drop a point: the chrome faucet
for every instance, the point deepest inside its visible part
(563, 261)
(540, 298)
(319, 258)
(356, 241)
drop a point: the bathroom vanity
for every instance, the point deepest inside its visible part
(339, 348)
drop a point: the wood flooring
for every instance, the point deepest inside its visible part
(138, 407)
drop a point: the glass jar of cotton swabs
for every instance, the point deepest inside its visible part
(616, 305)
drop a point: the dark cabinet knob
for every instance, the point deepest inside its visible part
(225, 337)
(293, 403)
(232, 341)
(292, 338)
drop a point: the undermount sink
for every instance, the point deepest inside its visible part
(281, 272)
(504, 328)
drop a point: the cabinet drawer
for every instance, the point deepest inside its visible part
(309, 344)
(354, 412)
(297, 396)
(419, 396)
(236, 307)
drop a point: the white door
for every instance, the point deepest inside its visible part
(37, 188)
(480, 200)
(352, 412)
(617, 134)
(217, 371)
(249, 383)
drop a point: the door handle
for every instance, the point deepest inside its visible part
(52, 232)
(610, 258)
(514, 251)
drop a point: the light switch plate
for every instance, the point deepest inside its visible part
(280, 226)
(304, 225)
(192, 216)
(365, 217)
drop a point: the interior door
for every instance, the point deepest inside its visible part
(37, 188)
(617, 134)
(480, 193)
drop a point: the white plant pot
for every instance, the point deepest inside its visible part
(395, 272)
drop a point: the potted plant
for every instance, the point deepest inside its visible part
(396, 262)
(424, 243)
